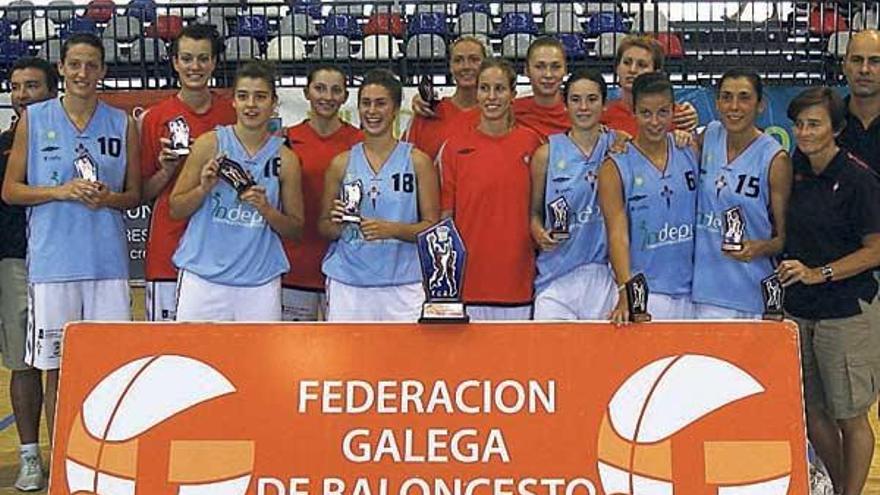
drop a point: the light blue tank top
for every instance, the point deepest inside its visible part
(227, 241)
(67, 241)
(661, 208)
(745, 182)
(572, 175)
(391, 194)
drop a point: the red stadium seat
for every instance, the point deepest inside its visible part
(385, 24)
(671, 45)
(166, 27)
(826, 21)
(100, 10)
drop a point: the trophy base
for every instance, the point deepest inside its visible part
(560, 236)
(731, 247)
(773, 316)
(444, 312)
(181, 151)
(640, 318)
(351, 219)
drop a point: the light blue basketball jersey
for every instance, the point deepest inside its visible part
(572, 175)
(391, 194)
(227, 241)
(744, 182)
(68, 241)
(661, 208)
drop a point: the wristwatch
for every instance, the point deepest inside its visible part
(827, 273)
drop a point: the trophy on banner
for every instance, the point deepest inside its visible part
(352, 193)
(558, 210)
(86, 167)
(637, 298)
(774, 296)
(179, 135)
(733, 226)
(426, 91)
(235, 175)
(442, 258)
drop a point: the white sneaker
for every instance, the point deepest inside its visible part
(30, 475)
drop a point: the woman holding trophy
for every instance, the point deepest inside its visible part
(377, 196)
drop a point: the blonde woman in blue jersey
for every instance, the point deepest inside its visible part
(574, 280)
(372, 267)
(742, 167)
(648, 198)
(77, 254)
(230, 257)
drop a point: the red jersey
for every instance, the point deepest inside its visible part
(165, 233)
(486, 184)
(315, 153)
(543, 120)
(429, 134)
(620, 117)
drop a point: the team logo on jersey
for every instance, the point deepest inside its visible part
(591, 178)
(666, 193)
(50, 135)
(561, 165)
(527, 158)
(50, 148)
(638, 181)
(374, 191)
(720, 183)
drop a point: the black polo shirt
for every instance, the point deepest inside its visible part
(864, 143)
(13, 223)
(828, 214)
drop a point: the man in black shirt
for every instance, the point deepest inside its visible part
(861, 136)
(31, 80)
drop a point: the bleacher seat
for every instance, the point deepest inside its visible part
(379, 47)
(79, 25)
(223, 8)
(607, 43)
(38, 30)
(286, 48)
(166, 27)
(606, 22)
(516, 7)
(562, 7)
(866, 18)
(311, 8)
(148, 50)
(50, 50)
(332, 47)
(10, 51)
(561, 22)
(60, 10)
(385, 23)
(573, 44)
(427, 23)
(19, 10)
(352, 9)
(516, 45)
(517, 22)
(179, 10)
(426, 46)
(216, 20)
(112, 51)
(123, 28)
(649, 20)
(341, 25)
(143, 10)
(837, 44)
(465, 6)
(430, 8)
(825, 21)
(255, 26)
(100, 10)
(599, 7)
(671, 45)
(474, 23)
(241, 48)
(263, 7)
(5, 29)
(298, 24)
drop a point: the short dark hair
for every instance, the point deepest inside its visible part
(50, 73)
(257, 69)
(652, 83)
(82, 39)
(827, 97)
(590, 75)
(644, 42)
(545, 41)
(744, 73)
(197, 31)
(324, 67)
(386, 79)
(499, 63)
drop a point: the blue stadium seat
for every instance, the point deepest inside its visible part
(5, 29)
(465, 6)
(145, 10)
(255, 26)
(60, 10)
(517, 22)
(312, 8)
(341, 25)
(10, 51)
(427, 23)
(19, 10)
(605, 22)
(79, 25)
(573, 44)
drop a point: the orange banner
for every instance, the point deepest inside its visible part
(398, 409)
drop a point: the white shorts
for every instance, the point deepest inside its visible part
(666, 307)
(499, 313)
(201, 300)
(301, 305)
(712, 312)
(586, 293)
(53, 305)
(161, 301)
(393, 303)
